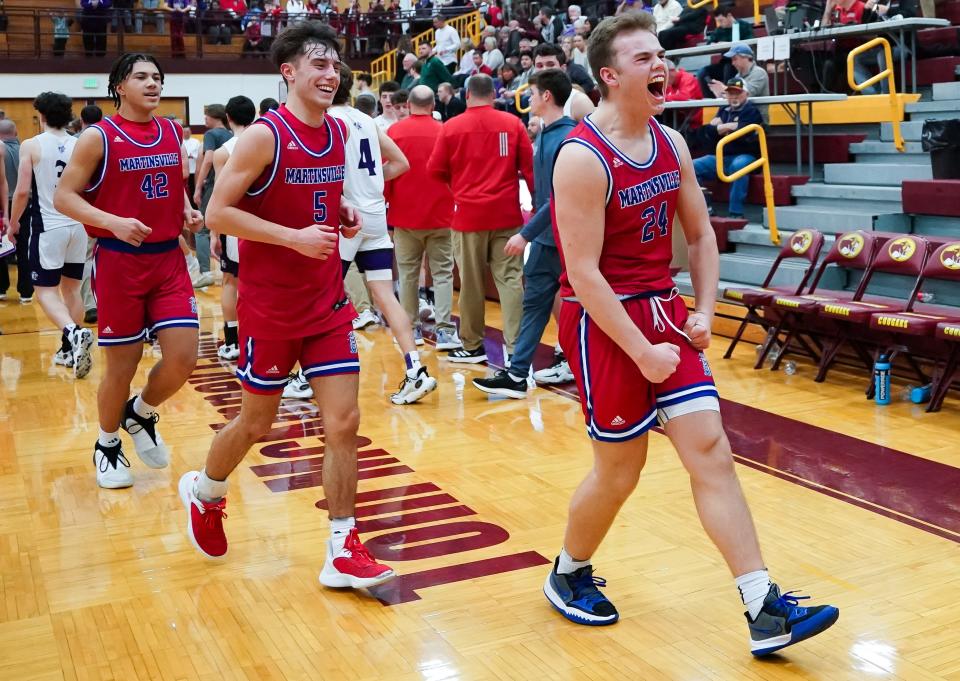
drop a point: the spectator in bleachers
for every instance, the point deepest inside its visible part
(61, 32)
(551, 26)
(865, 62)
(122, 11)
(297, 11)
(506, 84)
(387, 115)
(664, 12)
(742, 59)
(466, 62)
(178, 25)
(690, 23)
(151, 10)
(739, 112)
(446, 43)
(579, 53)
(842, 12)
(432, 72)
(495, 13)
(448, 103)
(724, 69)
(492, 56)
(364, 84)
(566, 44)
(682, 86)
(404, 47)
(94, 17)
(524, 67)
(725, 20)
(548, 56)
(253, 41)
(573, 15)
(478, 66)
(217, 24)
(409, 61)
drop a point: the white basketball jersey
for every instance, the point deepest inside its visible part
(233, 243)
(363, 184)
(230, 144)
(55, 151)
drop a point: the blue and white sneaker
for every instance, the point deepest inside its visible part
(782, 622)
(577, 597)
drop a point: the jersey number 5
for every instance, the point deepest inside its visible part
(154, 185)
(654, 218)
(319, 207)
(367, 161)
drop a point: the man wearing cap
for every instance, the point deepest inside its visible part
(738, 113)
(742, 59)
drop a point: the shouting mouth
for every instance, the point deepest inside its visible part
(656, 86)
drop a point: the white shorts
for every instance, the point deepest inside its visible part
(371, 249)
(57, 252)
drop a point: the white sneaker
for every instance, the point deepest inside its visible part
(228, 352)
(82, 341)
(426, 310)
(448, 339)
(193, 268)
(150, 446)
(365, 319)
(26, 301)
(63, 357)
(558, 373)
(113, 468)
(298, 387)
(413, 389)
(417, 337)
(204, 280)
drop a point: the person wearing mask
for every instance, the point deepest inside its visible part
(739, 113)
(420, 212)
(549, 90)
(487, 214)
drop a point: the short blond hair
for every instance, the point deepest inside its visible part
(600, 48)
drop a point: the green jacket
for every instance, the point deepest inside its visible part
(434, 73)
(725, 35)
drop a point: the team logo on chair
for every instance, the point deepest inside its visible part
(800, 241)
(950, 256)
(902, 249)
(850, 245)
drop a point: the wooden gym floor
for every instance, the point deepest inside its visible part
(466, 497)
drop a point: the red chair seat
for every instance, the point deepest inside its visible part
(920, 322)
(756, 296)
(949, 331)
(861, 310)
(809, 302)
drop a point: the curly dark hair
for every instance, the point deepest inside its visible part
(56, 108)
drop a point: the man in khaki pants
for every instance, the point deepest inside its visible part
(420, 212)
(481, 155)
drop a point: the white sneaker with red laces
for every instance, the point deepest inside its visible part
(353, 566)
(204, 519)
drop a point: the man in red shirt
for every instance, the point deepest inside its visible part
(843, 12)
(420, 212)
(491, 149)
(682, 86)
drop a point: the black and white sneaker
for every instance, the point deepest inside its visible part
(150, 446)
(502, 383)
(81, 340)
(559, 372)
(464, 356)
(413, 389)
(113, 468)
(64, 357)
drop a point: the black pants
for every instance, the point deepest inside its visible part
(24, 283)
(723, 71)
(59, 44)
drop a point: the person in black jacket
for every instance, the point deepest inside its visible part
(690, 22)
(739, 113)
(448, 104)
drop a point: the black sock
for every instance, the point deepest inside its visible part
(65, 345)
(229, 335)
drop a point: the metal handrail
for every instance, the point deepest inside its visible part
(516, 98)
(697, 4)
(762, 162)
(896, 106)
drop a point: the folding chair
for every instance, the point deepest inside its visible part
(904, 256)
(805, 243)
(853, 251)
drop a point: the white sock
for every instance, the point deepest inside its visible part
(69, 328)
(568, 563)
(233, 324)
(208, 489)
(753, 588)
(412, 360)
(108, 439)
(143, 409)
(339, 529)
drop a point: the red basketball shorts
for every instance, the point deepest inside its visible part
(265, 364)
(141, 290)
(618, 402)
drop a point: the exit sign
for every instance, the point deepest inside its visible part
(91, 83)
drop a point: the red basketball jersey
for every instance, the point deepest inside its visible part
(141, 176)
(641, 202)
(282, 293)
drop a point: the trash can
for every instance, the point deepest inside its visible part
(942, 140)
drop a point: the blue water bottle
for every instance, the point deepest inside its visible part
(881, 380)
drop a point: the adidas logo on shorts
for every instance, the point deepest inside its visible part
(108, 330)
(292, 145)
(273, 370)
(617, 421)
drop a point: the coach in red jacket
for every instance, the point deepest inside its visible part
(420, 212)
(481, 155)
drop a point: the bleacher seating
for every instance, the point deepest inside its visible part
(781, 189)
(932, 197)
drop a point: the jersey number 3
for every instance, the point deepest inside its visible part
(154, 185)
(367, 161)
(654, 221)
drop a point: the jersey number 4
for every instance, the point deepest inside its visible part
(367, 162)
(654, 221)
(154, 185)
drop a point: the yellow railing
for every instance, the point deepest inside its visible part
(762, 162)
(384, 68)
(696, 4)
(896, 106)
(516, 97)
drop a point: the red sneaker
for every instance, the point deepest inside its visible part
(353, 566)
(204, 519)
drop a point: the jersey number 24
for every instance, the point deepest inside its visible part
(655, 222)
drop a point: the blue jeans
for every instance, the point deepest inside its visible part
(542, 274)
(863, 64)
(706, 169)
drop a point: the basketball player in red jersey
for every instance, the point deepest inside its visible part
(281, 194)
(124, 182)
(620, 178)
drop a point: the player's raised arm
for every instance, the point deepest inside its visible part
(253, 153)
(69, 198)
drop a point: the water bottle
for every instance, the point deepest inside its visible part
(458, 383)
(925, 297)
(921, 394)
(881, 380)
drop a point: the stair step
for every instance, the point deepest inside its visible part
(942, 91)
(751, 269)
(883, 174)
(825, 218)
(951, 106)
(873, 147)
(911, 131)
(848, 191)
(936, 225)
